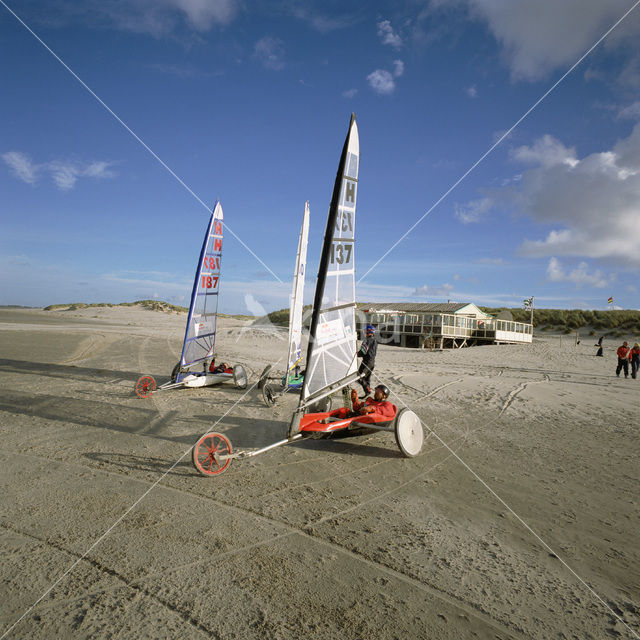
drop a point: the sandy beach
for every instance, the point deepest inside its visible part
(520, 518)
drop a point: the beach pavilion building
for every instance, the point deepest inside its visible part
(439, 325)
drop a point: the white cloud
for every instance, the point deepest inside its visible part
(491, 261)
(64, 174)
(443, 291)
(157, 17)
(350, 93)
(472, 91)
(21, 166)
(369, 292)
(548, 152)
(594, 202)
(542, 36)
(202, 14)
(99, 170)
(270, 52)
(578, 276)
(381, 82)
(321, 23)
(388, 35)
(473, 210)
(19, 261)
(398, 68)
(631, 112)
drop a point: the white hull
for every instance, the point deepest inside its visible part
(207, 380)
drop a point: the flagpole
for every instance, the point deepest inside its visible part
(528, 304)
(531, 315)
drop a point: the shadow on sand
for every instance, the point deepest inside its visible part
(143, 463)
(66, 371)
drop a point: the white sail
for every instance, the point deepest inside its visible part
(331, 357)
(295, 308)
(200, 334)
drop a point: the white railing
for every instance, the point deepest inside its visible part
(392, 325)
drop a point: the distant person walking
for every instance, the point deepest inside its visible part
(623, 359)
(367, 352)
(635, 360)
(600, 349)
(600, 339)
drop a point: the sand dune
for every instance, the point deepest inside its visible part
(520, 518)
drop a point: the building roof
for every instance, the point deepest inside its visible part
(414, 307)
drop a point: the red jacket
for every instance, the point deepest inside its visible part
(623, 352)
(383, 408)
(634, 353)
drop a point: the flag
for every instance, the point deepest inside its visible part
(528, 303)
(610, 300)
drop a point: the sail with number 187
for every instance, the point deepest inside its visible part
(196, 367)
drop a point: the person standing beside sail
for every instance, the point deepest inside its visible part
(367, 352)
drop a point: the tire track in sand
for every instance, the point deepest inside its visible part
(184, 615)
(521, 387)
(398, 380)
(306, 531)
(93, 345)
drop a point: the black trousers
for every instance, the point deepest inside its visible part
(365, 371)
(623, 363)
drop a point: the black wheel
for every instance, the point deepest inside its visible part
(408, 430)
(269, 396)
(175, 372)
(264, 376)
(240, 376)
(210, 454)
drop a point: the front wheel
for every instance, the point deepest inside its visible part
(408, 430)
(145, 386)
(240, 376)
(210, 455)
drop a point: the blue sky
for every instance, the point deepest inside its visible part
(249, 102)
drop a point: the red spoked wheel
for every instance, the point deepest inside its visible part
(145, 386)
(210, 453)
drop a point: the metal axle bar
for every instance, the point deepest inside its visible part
(249, 454)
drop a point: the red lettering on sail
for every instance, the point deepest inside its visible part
(217, 244)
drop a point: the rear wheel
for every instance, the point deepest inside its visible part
(240, 376)
(264, 376)
(408, 430)
(269, 396)
(175, 372)
(209, 454)
(145, 386)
